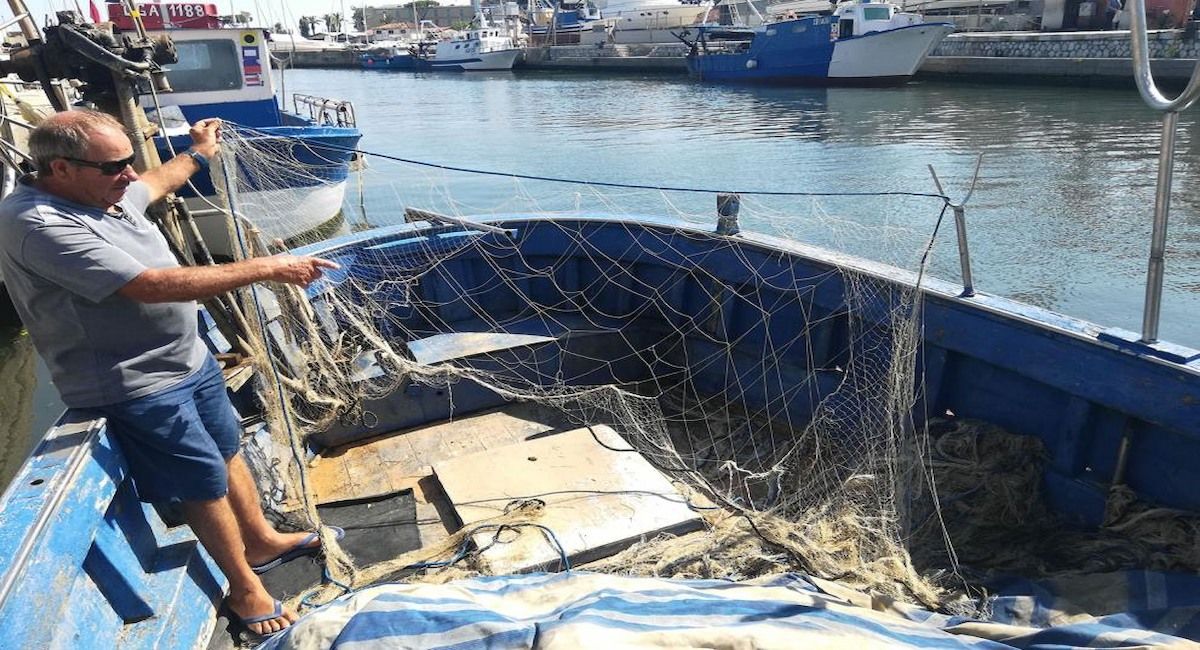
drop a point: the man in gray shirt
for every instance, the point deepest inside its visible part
(114, 316)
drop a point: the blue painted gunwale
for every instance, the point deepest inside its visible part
(83, 564)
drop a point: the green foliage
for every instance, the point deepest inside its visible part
(333, 22)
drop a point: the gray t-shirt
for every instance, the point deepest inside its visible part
(63, 263)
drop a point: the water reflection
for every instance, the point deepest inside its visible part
(1061, 216)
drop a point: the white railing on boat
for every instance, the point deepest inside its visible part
(1170, 109)
(326, 112)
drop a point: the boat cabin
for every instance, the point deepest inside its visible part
(866, 16)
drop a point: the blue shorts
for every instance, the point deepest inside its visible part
(178, 440)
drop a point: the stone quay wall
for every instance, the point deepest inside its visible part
(1164, 44)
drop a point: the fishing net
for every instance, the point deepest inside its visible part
(781, 394)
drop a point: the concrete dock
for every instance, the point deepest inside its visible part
(649, 57)
(1073, 58)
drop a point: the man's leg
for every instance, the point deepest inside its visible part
(214, 524)
(263, 543)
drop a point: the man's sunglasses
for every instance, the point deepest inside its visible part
(108, 168)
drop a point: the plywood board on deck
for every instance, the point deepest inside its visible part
(598, 501)
(399, 460)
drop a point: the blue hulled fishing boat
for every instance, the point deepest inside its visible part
(224, 72)
(864, 42)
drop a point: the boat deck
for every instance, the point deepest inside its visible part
(411, 489)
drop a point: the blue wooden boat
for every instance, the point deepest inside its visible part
(576, 301)
(77, 548)
(864, 42)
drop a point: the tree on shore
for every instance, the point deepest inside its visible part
(307, 23)
(360, 24)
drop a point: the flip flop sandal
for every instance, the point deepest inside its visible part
(301, 549)
(241, 625)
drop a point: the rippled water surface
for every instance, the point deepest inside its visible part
(1060, 217)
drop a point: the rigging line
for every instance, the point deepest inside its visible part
(573, 181)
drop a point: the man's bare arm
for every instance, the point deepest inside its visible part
(188, 283)
(172, 174)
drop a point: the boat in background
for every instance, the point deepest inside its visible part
(416, 41)
(397, 56)
(644, 21)
(488, 45)
(563, 23)
(225, 73)
(864, 42)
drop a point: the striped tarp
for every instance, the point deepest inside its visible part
(586, 610)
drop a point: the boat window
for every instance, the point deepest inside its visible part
(205, 65)
(875, 13)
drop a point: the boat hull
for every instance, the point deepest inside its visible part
(311, 198)
(496, 60)
(807, 51)
(499, 60)
(77, 548)
(395, 62)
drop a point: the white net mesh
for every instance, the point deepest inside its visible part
(781, 392)
(782, 396)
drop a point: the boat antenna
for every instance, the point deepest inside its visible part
(1170, 109)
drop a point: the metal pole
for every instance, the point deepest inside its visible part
(964, 255)
(1170, 108)
(728, 206)
(28, 27)
(1158, 237)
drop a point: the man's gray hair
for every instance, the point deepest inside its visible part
(66, 135)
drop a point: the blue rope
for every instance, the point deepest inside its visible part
(574, 181)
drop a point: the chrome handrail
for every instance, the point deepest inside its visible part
(326, 112)
(1170, 108)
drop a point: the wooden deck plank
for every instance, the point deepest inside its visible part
(598, 501)
(399, 460)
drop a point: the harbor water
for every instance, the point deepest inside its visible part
(1060, 218)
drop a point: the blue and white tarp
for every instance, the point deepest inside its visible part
(586, 610)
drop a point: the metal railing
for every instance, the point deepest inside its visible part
(326, 112)
(1170, 109)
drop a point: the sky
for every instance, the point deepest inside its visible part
(265, 12)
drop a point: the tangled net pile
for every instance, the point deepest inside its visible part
(806, 443)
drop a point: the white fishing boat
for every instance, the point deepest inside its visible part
(486, 46)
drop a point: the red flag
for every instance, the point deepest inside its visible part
(94, 11)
